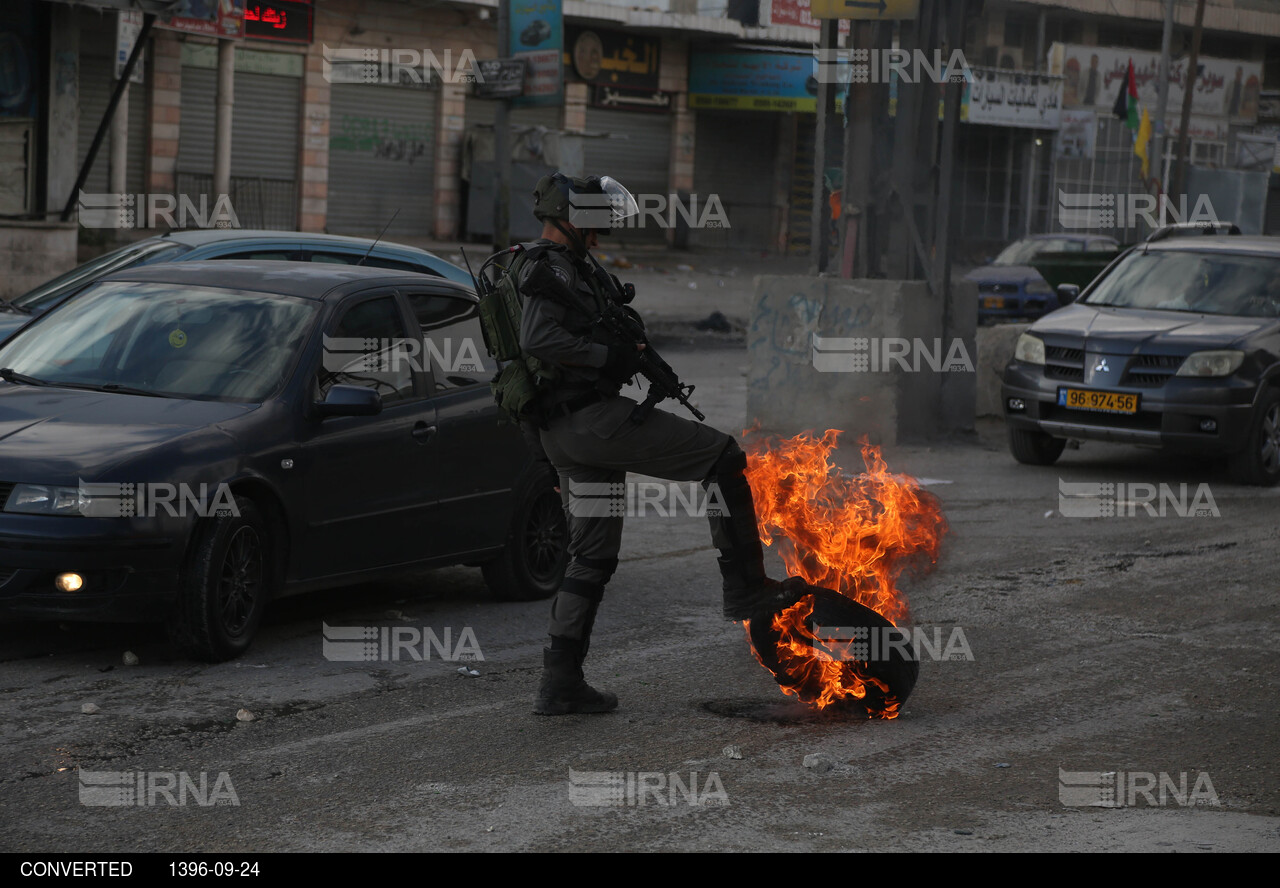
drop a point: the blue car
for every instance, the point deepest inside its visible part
(222, 243)
(1011, 289)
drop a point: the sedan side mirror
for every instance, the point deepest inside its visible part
(1068, 293)
(350, 400)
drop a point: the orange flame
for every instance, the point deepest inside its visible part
(854, 535)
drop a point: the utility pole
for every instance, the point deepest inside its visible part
(940, 274)
(1162, 94)
(821, 213)
(857, 210)
(1189, 88)
(502, 144)
(225, 102)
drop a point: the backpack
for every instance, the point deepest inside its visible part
(520, 381)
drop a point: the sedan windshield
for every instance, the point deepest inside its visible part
(164, 339)
(1023, 251)
(145, 252)
(1200, 282)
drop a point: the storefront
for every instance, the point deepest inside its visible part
(624, 102)
(264, 132)
(765, 102)
(382, 141)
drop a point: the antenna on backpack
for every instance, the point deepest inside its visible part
(379, 237)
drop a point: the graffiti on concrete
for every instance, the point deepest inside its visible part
(782, 329)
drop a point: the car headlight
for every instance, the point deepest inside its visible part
(44, 499)
(1212, 363)
(1038, 288)
(1029, 349)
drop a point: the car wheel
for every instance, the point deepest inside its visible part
(532, 562)
(1259, 462)
(225, 585)
(1034, 448)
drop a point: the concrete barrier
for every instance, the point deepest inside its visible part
(869, 356)
(995, 348)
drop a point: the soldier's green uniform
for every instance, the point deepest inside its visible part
(591, 440)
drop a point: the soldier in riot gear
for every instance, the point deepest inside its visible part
(594, 436)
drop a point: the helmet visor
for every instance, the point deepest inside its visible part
(621, 204)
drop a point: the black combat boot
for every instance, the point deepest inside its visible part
(748, 593)
(563, 690)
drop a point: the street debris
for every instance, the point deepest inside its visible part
(732, 752)
(816, 761)
(715, 321)
(245, 715)
(130, 658)
(90, 709)
(463, 670)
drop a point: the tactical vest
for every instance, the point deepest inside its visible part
(520, 385)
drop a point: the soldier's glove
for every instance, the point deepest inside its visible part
(622, 363)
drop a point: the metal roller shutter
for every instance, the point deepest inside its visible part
(734, 159)
(97, 80)
(264, 144)
(381, 159)
(484, 111)
(641, 161)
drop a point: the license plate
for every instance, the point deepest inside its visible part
(1103, 402)
(992, 302)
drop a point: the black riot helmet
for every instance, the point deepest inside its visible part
(596, 203)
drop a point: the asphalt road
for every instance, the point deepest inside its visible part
(1133, 646)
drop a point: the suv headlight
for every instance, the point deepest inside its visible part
(1029, 349)
(44, 499)
(1212, 363)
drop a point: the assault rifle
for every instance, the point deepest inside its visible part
(618, 323)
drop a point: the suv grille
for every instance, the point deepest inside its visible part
(1151, 371)
(1063, 363)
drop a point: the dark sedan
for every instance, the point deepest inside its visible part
(226, 243)
(183, 442)
(1010, 288)
(1176, 345)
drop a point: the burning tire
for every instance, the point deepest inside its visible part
(825, 668)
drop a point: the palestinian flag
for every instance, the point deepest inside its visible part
(1126, 108)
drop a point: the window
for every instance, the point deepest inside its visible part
(273, 255)
(370, 348)
(453, 341)
(339, 258)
